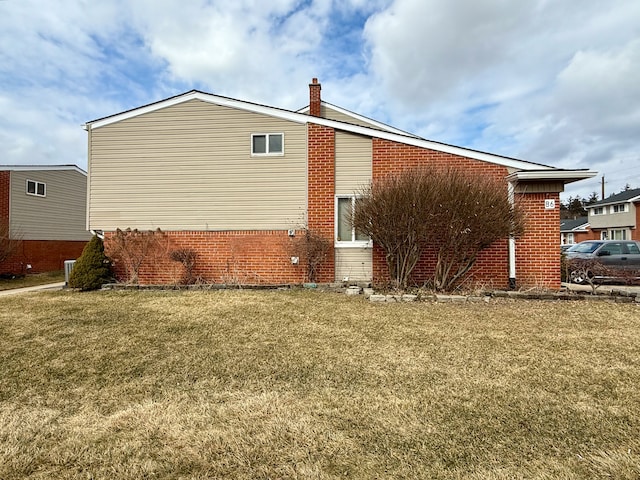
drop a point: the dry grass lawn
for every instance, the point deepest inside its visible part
(261, 385)
(32, 280)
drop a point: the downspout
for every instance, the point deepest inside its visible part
(512, 242)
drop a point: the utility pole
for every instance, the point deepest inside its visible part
(602, 187)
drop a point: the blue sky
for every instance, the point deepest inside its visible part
(553, 82)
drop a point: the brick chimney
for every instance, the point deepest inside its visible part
(314, 98)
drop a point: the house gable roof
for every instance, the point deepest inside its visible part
(632, 195)
(388, 133)
(569, 225)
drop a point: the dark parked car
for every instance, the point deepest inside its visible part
(601, 259)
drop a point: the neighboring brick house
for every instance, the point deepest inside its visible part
(45, 208)
(574, 230)
(616, 217)
(233, 180)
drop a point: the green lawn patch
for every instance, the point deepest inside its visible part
(304, 384)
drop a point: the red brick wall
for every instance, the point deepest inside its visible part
(491, 268)
(42, 255)
(538, 251)
(4, 195)
(321, 189)
(239, 257)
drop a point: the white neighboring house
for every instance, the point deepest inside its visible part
(616, 217)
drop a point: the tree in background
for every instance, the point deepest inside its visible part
(92, 269)
(451, 211)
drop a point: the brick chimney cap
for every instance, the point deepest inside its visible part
(314, 81)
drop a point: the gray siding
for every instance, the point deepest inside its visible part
(612, 220)
(189, 167)
(354, 264)
(353, 162)
(58, 216)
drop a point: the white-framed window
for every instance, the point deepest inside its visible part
(620, 208)
(597, 211)
(618, 234)
(604, 235)
(568, 239)
(346, 235)
(39, 189)
(267, 144)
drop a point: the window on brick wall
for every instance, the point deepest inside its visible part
(618, 234)
(346, 234)
(39, 189)
(267, 144)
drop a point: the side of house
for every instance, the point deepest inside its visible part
(238, 183)
(617, 217)
(45, 207)
(575, 230)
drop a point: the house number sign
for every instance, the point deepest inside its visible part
(549, 204)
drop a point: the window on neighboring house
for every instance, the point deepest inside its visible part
(38, 189)
(620, 208)
(346, 234)
(604, 235)
(569, 238)
(267, 144)
(618, 234)
(597, 211)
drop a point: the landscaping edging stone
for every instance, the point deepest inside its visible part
(617, 296)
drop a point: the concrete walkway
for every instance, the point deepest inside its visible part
(36, 288)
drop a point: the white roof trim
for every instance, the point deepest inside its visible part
(566, 176)
(34, 168)
(302, 118)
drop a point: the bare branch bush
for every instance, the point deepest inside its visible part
(312, 249)
(187, 258)
(592, 272)
(449, 210)
(135, 247)
(8, 245)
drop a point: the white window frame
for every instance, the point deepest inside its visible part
(619, 208)
(624, 235)
(598, 211)
(267, 153)
(604, 235)
(347, 243)
(36, 184)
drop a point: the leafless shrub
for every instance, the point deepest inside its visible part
(8, 245)
(449, 210)
(592, 272)
(187, 258)
(134, 247)
(312, 249)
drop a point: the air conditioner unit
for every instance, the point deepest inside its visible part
(68, 266)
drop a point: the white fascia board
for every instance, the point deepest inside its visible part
(35, 168)
(566, 176)
(303, 118)
(205, 97)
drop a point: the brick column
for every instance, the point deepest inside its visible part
(538, 250)
(321, 189)
(5, 185)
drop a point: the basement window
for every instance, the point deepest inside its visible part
(37, 189)
(267, 144)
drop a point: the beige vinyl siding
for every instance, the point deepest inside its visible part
(353, 162)
(189, 167)
(60, 215)
(354, 264)
(331, 114)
